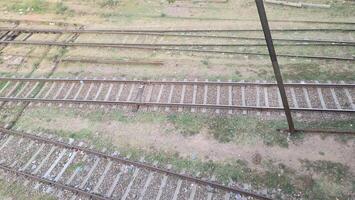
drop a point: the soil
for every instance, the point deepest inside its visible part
(163, 137)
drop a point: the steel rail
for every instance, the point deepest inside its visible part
(134, 163)
(103, 44)
(184, 35)
(212, 44)
(325, 131)
(54, 183)
(147, 82)
(189, 105)
(140, 46)
(250, 20)
(100, 60)
(110, 31)
(235, 19)
(112, 61)
(328, 131)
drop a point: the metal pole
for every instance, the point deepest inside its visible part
(275, 64)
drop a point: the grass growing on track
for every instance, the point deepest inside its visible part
(225, 129)
(38, 6)
(10, 191)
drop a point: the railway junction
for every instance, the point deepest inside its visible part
(170, 107)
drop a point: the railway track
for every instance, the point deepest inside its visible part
(71, 170)
(184, 33)
(155, 40)
(215, 96)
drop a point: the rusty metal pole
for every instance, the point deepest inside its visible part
(275, 64)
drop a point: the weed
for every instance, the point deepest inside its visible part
(205, 62)
(75, 166)
(223, 129)
(26, 6)
(60, 8)
(17, 191)
(313, 71)
(325, 190)
(187, 124)
(335, 171)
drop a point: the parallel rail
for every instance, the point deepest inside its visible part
(23, 170)
(225, 48)
(171, 33)
(162, 48)
(154, 30)
(211, 95)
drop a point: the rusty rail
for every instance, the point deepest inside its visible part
(154, 47)
(134, 163)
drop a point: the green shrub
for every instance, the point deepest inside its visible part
(29, 6)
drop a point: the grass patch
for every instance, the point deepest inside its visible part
(82, 135)
(186, 124)
(26, 6)
(315, 71)
(17, 191)
(335, 171)
(235, 129)
(335, 179)
(61, 8)
(247, 130)
(72, 168)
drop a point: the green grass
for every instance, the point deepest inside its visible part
(315, 71)
(61, 8)
(39, 6)
(36, 6)
(335, 178)
(17, 191)
(71, 168)
(186, 124)
(235, 129)
(335, 171)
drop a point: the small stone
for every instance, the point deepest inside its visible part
(246, 186)
(257, 158)
(238, 197)
(264, 192)
(193, 156)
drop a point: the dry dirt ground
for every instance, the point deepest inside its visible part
(202, 138)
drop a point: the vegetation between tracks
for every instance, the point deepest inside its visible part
(14, 190)
(314, 180)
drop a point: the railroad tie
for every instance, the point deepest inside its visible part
(119, 93)
(171, 92)
(159, 94)
(230, 97)
(139, 97)
(178, 187)
(109, 193)
(163, 184)
(194, 93)
(148, 181)
(28, 94)
(128, 189)
(205, 96)
(218, 96)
